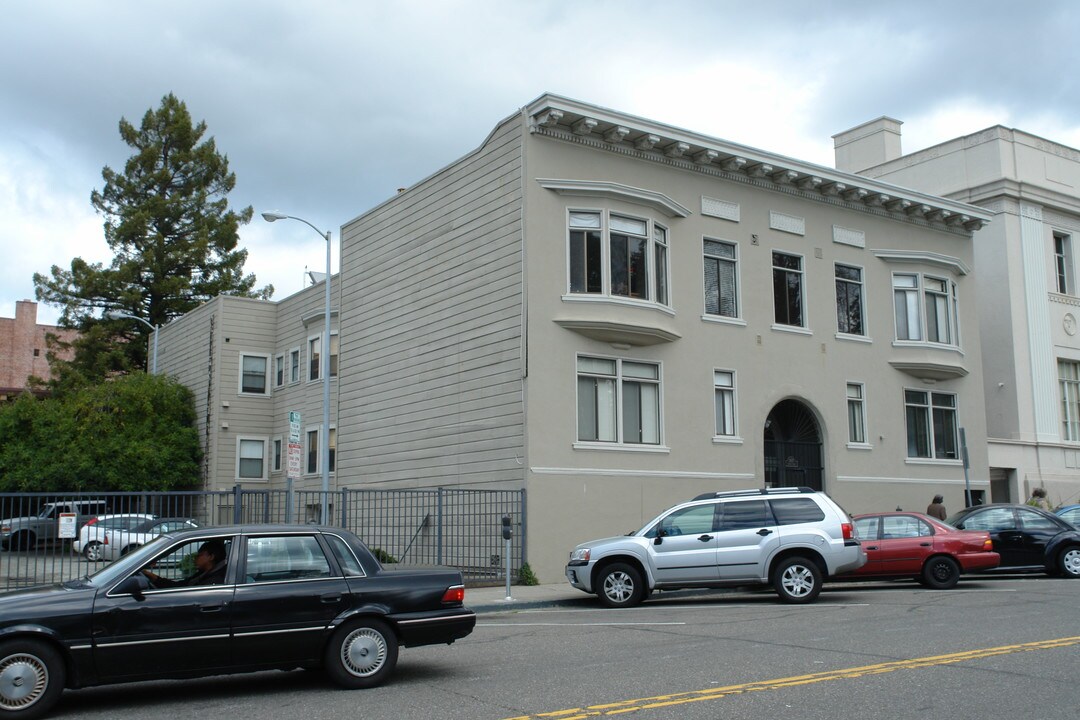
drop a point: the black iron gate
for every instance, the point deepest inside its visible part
(793, 464)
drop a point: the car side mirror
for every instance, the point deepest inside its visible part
(658, 540)
(134, 586)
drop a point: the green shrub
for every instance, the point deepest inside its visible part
(526, 576)
(382, 556)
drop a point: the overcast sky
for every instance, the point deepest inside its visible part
(325, 108)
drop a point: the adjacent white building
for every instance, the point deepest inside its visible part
(1026, 285)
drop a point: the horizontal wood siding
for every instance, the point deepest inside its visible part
(431, 345)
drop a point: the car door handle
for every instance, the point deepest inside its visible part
(331, 598)
(924, 544)
(871, 547)
(764, 531)
(705, 538)
(210, 608)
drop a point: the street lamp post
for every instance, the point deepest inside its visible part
(324, 436)
(121, 315)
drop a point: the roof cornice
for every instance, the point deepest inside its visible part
(575, 121)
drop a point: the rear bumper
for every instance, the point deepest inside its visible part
(979, 561)
(439, 627)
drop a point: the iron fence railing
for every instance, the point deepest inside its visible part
(459, 528)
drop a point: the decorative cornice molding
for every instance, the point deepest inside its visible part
(655, 142)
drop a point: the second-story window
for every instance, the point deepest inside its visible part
(926, 309)
(788, 289)
(253, 374)
(849, 300)
(1063, 263)
(618, 256)
(721, 296)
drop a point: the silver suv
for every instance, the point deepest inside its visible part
(23, 533)
(790, 538)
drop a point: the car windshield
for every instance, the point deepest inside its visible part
(113, 572)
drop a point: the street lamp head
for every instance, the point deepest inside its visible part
(116, 314)
(272, 216)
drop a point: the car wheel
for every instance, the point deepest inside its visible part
(620, 586)
(361, 654)
(31, 679)
(23, 541)
(1069, 562)
(940, 573)
(92, 551)
(128, 549)
(797, 580)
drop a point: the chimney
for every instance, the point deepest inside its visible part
(867, 145)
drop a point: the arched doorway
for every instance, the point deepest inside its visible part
(793, 447)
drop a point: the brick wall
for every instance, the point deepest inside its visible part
(23, 347)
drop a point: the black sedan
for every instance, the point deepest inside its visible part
(1027, 538)
(224, 600)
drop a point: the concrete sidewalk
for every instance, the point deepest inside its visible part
(526, 597)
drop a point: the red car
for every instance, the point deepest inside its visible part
(909, 544)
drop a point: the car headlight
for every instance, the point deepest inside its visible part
(580, 555)
(5, 529)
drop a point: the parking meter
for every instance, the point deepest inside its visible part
(507, 533)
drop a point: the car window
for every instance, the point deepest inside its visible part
(791, 511)
(903, 526)
(744, 515)
(1031, 520)
(1071, 516)
(345, 557)
(180, 566)
(286, 557)
(991, 520)
(867, 528)
(692, 520)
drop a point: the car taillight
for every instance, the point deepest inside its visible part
(105, 540)
(848, 530)
(91, 521)
(988, 544)
(454, 594)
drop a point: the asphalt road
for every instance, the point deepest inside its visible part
(992, 648)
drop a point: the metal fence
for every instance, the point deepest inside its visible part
(459, 528)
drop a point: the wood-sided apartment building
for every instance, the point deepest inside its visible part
(615, 315)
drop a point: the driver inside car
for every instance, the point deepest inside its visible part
(210, 563)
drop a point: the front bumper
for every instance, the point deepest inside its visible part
(580, 576)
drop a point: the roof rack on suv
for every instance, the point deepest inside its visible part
(755, 491)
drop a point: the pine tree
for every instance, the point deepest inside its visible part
(173, 238)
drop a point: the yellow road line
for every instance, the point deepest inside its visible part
(683, 698)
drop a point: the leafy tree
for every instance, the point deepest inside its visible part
(135, 432)
(173, 236)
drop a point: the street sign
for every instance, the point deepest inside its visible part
(67, 525)
(294, 457)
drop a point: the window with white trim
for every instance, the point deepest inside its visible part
(856, 407)
(254, 370)
(1063, 271)
(788, 291)
(931, 424)
(1069, 380)
(277, 449)
(849, 300)
(721, 278)
(724, 401)
(918, 298)
(279, 371)
(618, 401)
(618, 256)
(250, 458)
(335, 345)
(294, 365)
(314, 345)
(314, 448)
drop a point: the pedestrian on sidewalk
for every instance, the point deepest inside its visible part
(936, 509)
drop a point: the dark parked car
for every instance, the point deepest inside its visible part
(283, 597)
(914, 545)
(1027, 538)
(1070, 514)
